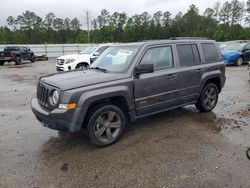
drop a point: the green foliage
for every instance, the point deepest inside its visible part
(224, 21)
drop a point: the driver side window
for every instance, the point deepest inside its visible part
(161, 57)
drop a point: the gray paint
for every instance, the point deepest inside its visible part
(145, 94)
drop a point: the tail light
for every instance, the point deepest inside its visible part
(12, 53)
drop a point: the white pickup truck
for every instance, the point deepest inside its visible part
(81, 60)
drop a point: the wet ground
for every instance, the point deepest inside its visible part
(180, 148)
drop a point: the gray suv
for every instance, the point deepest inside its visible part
(130, 81)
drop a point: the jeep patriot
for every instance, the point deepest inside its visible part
(130, 81)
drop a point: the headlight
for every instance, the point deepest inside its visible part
(69, 61)
(54, 98)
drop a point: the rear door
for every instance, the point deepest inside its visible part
(157, 91)
(190, 71)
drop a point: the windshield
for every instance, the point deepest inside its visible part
(116, 58)
(88, 50)
(235, 46)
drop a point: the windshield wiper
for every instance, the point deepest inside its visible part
(100, 69)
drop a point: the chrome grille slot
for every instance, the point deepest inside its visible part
(60, 61)
(43, 95)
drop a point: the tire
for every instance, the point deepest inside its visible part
(1, 63)
(239, 61)
(33, 59)
(105, 125)
(208, 98)
(82, 66)
(18, 60)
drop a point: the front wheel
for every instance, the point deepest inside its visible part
(208, 98)
(1, 63)
(105, 125)
(32, 59)
(239, 61)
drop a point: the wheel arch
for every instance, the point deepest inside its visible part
(118, 96)
(212, 79)
(81, 63)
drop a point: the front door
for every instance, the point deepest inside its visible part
(156, 91)
(246, 53)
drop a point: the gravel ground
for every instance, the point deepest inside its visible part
(179, 148)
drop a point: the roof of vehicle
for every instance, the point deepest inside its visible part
(11, 48)
(164, 41)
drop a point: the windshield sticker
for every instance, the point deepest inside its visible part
(126, 52)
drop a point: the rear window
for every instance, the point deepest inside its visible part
(188, 55)
(210, 52)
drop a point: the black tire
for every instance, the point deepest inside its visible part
(1, 63)
(32, 59)
(208, 98)
(105, 124)
(239, 61)
(18, 60)
(82, 66)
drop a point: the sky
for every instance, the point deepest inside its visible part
(74, 8)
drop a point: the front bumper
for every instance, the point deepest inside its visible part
(59, 68)
(229, 61)
(58, 119)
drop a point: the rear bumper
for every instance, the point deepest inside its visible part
(58, 119)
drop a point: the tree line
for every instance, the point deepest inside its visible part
(223, 21)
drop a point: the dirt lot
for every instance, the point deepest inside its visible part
(180, 148)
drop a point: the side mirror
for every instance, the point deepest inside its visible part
(96, 54)
(144, 68)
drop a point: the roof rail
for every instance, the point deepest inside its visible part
(188, 38)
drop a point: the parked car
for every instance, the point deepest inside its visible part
(16, 54)
(131, 81)
(81, 60)
(236, 53)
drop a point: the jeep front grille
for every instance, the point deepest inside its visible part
(43, 95)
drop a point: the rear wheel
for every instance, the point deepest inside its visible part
(105, 125)
(1, 63)
(18, 60)
(208, 98)
(239, 61)
(82, 66)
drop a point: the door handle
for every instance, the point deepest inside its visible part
(199, 70)
(171, 76)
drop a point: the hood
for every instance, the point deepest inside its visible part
(79, 78)
(75, 56)
(230, 52)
